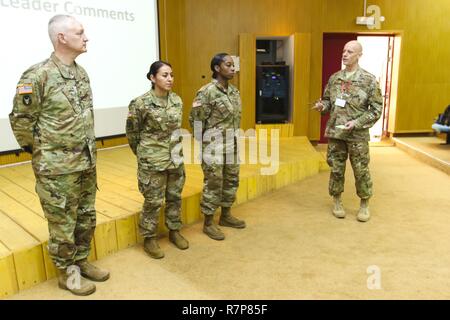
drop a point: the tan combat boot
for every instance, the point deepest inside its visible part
(151, 246)
(92, 272)
(227, 220)
(178, 240)
(363, 212)
(338, 209)
(211, 229)
(74, 282)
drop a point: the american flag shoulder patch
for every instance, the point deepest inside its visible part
(25, 88)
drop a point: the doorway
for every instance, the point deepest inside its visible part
(274, 79)
(377, 58)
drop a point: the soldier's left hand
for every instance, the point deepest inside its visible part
(350, 125)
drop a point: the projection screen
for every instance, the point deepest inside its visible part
(123, 42)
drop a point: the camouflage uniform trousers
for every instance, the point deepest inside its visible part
(68, 202)
(338, 151)
(220, 184)
(154, 186)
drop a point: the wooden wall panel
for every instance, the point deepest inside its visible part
(301, 108)
(171, 40)
(197, 29)
(247, 79)
(315, 68)
(208, 27)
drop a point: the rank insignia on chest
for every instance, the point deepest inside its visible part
(26, 100)
(25, 88)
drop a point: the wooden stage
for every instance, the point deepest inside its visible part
(24, 260)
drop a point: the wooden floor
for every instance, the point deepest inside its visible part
(24, 260)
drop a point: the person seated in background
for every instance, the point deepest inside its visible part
(442, 123)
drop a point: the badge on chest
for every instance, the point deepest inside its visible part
(340, 102)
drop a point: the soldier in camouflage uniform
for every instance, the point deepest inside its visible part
(152, 120)
(353, 99)
(53, 119)
(217, 109)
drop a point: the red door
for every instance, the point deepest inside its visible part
(333, 43)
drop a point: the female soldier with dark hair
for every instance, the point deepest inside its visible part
(217, 109)
(152, 119)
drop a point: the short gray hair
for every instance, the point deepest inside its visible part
(56, 25)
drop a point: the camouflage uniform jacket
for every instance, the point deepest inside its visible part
(217, 107)
(149, 129)
(53, 116)
(363, 104)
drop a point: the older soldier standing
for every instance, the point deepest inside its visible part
(53, 119)
(217, 109)
(152, 122)
(353, 99)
